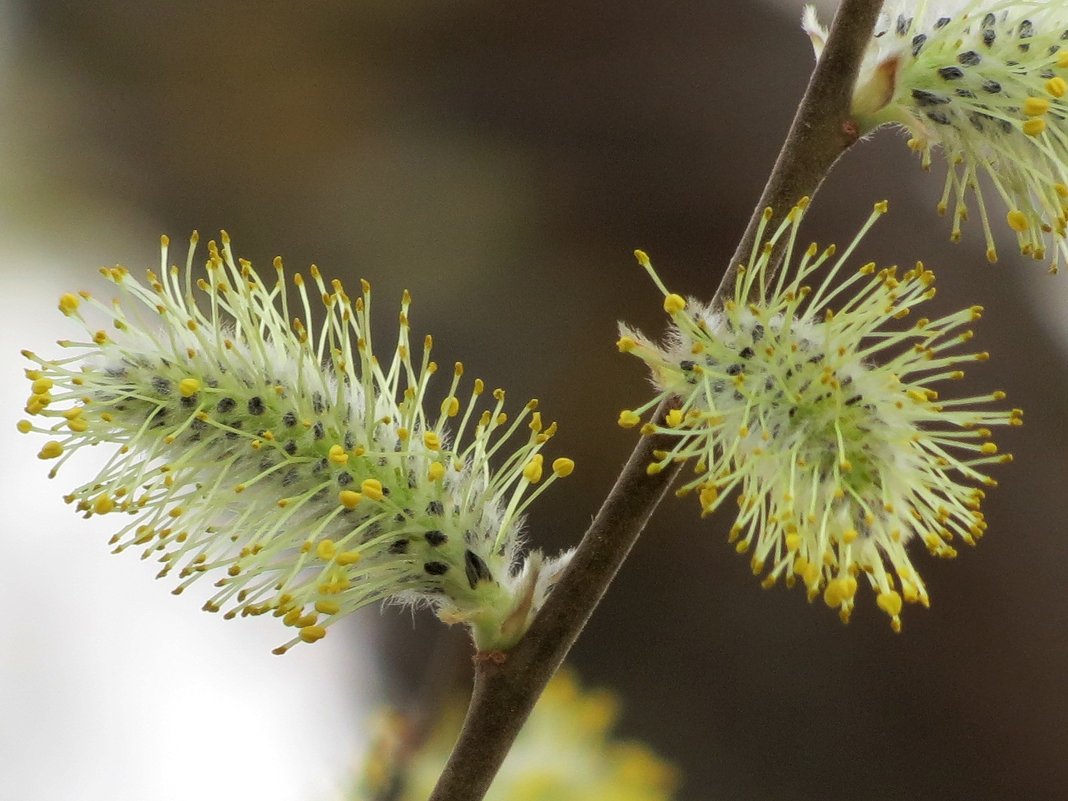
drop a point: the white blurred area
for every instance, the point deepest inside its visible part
(112, 689)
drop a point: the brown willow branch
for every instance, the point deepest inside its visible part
(822, 130)
(505, 692)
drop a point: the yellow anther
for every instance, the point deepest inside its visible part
(563, 467)
(24, 426)
(325, 549)
(674, 418)
(989, 447)
(674, 303)
(348, 557)
(327, 607)
(533, 469)
(450, 407)
(68, 303)
(849, 535)
(889, 602)
(707, 497)
(628, 419)
(372, 489)
(291, 617)
(188, 387)
(837, 592)
(436, 471)
(917, 396)
(1034, 126)
(1036, 106)
(103, 504)
(51, 450)
(337, 455)
(41, 386)
(349, 499)
(312, 633)
(1057, 86)
(626, 344)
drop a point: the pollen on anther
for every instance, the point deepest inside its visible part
(188, 387)
(337, 455)
(349, 499)
(674, 303)
(348, 557)
(68, 303)
(51, 450)
(563, 467)
(372, 489)
(312, 633)
(532, 471)
(1017, 220)
(1034, 126)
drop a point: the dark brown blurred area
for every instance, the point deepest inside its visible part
(502, 160)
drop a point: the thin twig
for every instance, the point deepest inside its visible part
(822, 130)
(505, 692)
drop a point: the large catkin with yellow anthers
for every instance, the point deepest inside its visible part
(819, 408)
(987, 81)
(286, 460)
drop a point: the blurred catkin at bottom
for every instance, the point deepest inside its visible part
(564, 753)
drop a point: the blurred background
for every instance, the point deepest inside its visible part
(501, 161)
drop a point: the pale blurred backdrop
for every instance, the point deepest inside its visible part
(500, 160)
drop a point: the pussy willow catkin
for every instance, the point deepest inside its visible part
(286, 460)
